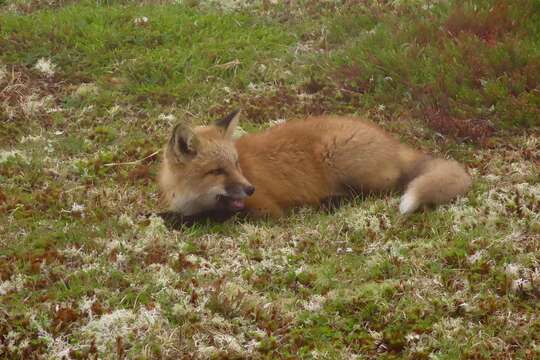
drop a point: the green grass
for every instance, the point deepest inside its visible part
(84, 273)
(466, 62)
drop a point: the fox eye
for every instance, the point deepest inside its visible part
(216, 172)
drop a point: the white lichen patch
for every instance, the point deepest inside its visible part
(156, 228)
(516, 205)
(15, 342)
(277, 122)
(476, 257)
(169, 118)
(125, 220)
(58, 347)
(513, 270)
(86, 89)
(315, 303)
(16, 283)
(78, 208)
(370, 219)
(128, 324)
(32, 105)
(162, 275)
(3, 72)
(31, 138)
(142, 20)
(45, 67)
(6, 155)
(523, 278)
(228, 5)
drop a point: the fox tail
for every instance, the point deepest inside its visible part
(434, 181)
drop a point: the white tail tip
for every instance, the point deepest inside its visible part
(409, 203)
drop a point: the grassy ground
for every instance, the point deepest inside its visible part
(86, 84)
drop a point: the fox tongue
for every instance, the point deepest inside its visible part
(237, 204)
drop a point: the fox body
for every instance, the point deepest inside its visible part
(298, 163)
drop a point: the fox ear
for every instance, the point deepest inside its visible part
(183, 143)
(229, 123)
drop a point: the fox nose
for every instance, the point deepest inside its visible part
(249, 190)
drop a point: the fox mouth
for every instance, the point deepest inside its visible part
(233, 203)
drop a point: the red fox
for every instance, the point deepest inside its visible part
(298, 163)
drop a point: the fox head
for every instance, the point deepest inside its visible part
(201, 171)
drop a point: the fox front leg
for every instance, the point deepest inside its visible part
(260, 207)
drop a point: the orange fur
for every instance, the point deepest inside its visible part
(306, 161)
